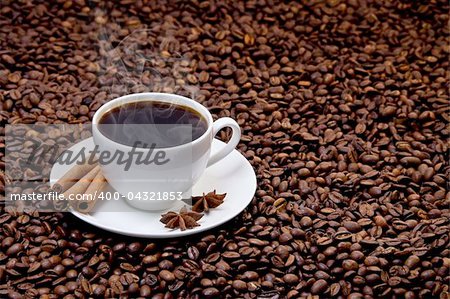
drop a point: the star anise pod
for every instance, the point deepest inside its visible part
(184, 219)
(207, 201)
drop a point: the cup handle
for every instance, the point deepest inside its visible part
(235, 137)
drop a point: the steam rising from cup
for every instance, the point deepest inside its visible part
(135, 65)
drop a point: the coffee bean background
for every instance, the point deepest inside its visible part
(344, 110)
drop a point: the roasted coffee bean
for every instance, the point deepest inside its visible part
(145, 291)
(239, 285)
(167, 275)
(61, 290)
(151, 259)
(134, 247)
(319, 287)
(349, 265)
(71, 286)
(290, 278)
(352, 226)
(412, 261)
(210, 292)
(14, 295)
(14, 249)
(193, 253)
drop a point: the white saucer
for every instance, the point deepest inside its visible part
(233, 175)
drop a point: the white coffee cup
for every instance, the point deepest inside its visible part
(188, 160)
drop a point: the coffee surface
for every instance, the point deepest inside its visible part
(152, 123)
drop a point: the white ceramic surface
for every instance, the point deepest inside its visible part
(186, 162)
(232, 175)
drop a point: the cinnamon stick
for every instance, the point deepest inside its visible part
(92, 193)
(71, 177)
(83, 183)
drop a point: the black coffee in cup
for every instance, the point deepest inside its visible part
(152, 124)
